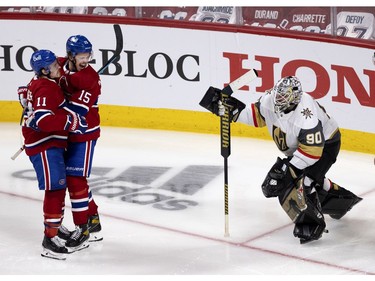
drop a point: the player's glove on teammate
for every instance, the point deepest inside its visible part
(76, 123)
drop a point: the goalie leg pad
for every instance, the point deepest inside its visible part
(337, 201)
(310, 224)
(304, 211)
(292, 200)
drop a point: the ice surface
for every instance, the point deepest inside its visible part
(161, 203)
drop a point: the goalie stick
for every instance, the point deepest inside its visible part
(116, 55)
(240, 82)
(225, 138)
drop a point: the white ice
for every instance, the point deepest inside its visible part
(143, 238)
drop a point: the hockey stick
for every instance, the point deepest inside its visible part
(117, 52)
(240, 82)
(22, 148)
(225, 138)
(19, 151)
(225, 152)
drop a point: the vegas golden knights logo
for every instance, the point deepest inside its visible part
(279, 138)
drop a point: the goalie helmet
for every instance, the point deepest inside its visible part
(78, 44)
(42, 59)
(287, 92)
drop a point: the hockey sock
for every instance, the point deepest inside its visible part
(78, 192)
(53, 203)
(93, 208)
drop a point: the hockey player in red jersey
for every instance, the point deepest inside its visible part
(81, 85)
(45, 129)
(310, 139)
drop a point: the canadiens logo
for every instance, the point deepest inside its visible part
(307, 113)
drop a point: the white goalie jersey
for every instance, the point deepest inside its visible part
(299, 134)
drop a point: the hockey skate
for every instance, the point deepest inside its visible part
(64, 233)
(79, 239)
(95, 229)
(53, 248)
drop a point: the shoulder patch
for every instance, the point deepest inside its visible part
(307, 113)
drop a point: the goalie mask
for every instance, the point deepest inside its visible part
(287, 92)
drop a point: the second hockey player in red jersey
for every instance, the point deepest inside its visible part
(82, 87)
(47, 124)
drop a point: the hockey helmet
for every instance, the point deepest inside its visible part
(287, 92)
(78, 44)
(42, 59)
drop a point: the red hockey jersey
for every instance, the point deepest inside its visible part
(45, 100)
(82, 89)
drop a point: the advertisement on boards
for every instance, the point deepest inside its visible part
(166, 67)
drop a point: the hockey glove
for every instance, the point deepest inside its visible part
(76, 123)
(235, 107)
(30, 122)
(281, 176)
(22, 95)
(63, 83)
(212, 102)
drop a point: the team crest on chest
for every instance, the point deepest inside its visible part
(306, 112)
(279, 138)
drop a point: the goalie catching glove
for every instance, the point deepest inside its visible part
(281, 176)
(212, 101)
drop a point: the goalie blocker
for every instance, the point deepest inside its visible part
(211, 99)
